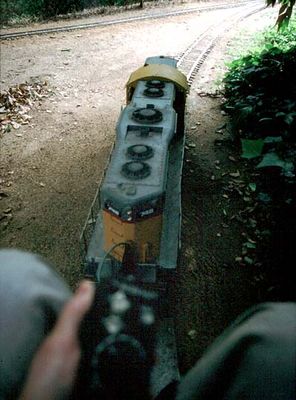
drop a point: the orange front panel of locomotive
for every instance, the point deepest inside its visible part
(145, 235)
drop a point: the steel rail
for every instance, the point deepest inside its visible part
(69, 28)
(190, 63)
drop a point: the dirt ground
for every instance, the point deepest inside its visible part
(50, 169)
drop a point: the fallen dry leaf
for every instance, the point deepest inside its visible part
(234, 174)
(17, 101)
(192, 334)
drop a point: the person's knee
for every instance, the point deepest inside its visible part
(31, 296)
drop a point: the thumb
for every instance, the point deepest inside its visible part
(74, 311)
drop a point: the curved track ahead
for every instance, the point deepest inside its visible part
(68, 28)
(191, 60)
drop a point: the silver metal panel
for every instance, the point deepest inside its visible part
(161, 60)
(96, 243)
(141, 99)
(151, 187)
(171, 231)
(166, 368)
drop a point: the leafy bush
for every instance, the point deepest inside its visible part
(285, 11)
(283, 40)
(38, 8)
(260, 91)
(54, 7)
(44, 9)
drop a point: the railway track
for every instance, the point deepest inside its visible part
(117, 21)
(191, 60)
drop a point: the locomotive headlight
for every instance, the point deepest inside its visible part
(127, 213)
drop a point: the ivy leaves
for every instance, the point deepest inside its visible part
(285, 11)
(260, 92)
(252, 148)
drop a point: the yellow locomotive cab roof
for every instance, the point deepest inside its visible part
(158, 71)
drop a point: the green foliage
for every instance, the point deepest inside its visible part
(252, 148)
(54, 7)
(283, 40)
(38, 8)
(43, 9)
(261, 87)
(260, 91)
(272, 159)
(285, 11)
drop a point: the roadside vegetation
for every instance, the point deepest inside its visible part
(260, 93)
(26, 11)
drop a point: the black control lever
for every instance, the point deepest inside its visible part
(117, 341)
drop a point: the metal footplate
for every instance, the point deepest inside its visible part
(171, 232)
(166, 369)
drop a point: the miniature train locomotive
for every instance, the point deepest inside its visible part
(140, 195)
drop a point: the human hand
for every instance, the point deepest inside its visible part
(54, 367)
